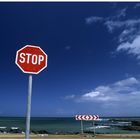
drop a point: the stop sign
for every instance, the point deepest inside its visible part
(31, 59)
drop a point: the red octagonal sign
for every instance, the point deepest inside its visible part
(31, 59)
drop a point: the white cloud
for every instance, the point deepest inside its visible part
(69, 97)
(115, 92)
(67, 48)
(137, 5)
(91, 94)
(111, 25)
(127, 24)
(129, 31)
(131, 48)
(132, 22)
(93, 19)
(119, 98)
(127, 82)
(95, 95)
(127, 35)
(121, 13)
(129, 38)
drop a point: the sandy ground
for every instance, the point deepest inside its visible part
(78, 136)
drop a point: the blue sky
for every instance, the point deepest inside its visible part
(93, 58)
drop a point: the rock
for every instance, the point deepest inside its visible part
(135, 128)
(135, 123)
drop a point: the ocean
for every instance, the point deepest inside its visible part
(70, 125)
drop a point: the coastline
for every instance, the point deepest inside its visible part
(69, 128)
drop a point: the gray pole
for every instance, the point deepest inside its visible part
(94, 127)
(28, 108)
(81, 127)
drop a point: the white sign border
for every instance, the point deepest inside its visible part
(32, 46)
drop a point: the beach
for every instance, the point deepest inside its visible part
(72, 136)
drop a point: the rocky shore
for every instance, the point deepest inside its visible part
(133, 125)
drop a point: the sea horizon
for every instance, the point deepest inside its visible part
(70, 116)
(59, 124)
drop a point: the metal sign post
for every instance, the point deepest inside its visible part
(93, 128)
(28, 108)
(86, 118)
(32, 60)
(82, 127)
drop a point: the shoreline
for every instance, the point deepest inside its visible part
(118, 128)
(70, 136)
